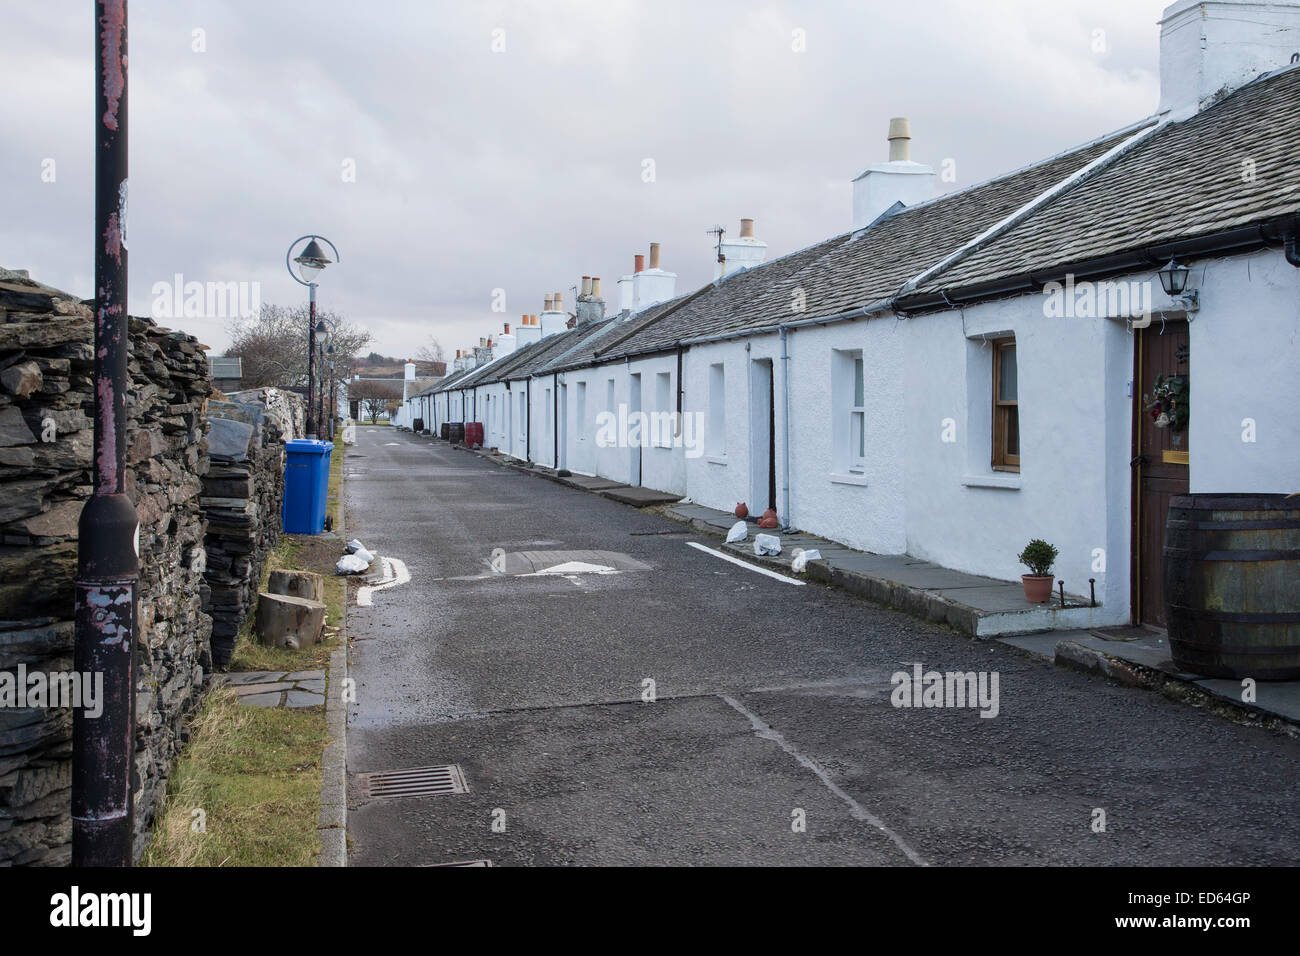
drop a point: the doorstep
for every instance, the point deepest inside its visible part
(971, 603)
(1145, 661)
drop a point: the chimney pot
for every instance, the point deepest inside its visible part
(595, 287)
(586, 285)
(638, 264)
(507, 325)
(746, 229)
(654, 255)
(900, 139)
(550, 301)
(557, 300)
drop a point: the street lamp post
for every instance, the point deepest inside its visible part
(310, 261)
(108, 560)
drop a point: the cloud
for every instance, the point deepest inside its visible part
(522, 169)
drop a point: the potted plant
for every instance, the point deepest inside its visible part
(1038, 556)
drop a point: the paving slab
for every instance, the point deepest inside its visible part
(253, 677)
(591, 483)
(261, 700)
(640, 497)
(299, 698)
(1276, 697)
(305, 675)
(246, 689)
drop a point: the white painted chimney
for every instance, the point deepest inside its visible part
(553, 319)
(528, 331)
(879, 186)
(743, 252)
(410, 371)
(506, 342)
(1211, 47)
(652, 285)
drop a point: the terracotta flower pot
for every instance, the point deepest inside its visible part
(1037, 590)
(742, 510)
(769, 519)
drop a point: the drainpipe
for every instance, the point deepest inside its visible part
(108, 563)
(555, 421)
(785, 426)
(1292, 254)
(528, 419)
(680, 390)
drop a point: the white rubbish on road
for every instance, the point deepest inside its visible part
(799, 563)
(354, 546)
(364, 555)
(351, 564)
(395, 573)
(745, 564)
(739, 531)
(768, 544)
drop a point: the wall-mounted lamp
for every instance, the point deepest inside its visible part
(1173, 279)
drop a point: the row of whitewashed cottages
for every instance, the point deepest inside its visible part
(957, 375)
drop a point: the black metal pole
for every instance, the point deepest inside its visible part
(311, 363)
(107, 558)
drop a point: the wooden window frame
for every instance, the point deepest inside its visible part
(857, 458)
(1001, 459)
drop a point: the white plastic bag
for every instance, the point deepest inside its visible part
(364, 555)
(767, 544)
(354, 546)
(802, 557)
(351, 564)
(739, 531)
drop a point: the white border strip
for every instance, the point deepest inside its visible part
(765, 731)
(745, 564)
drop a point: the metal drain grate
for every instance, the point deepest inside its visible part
(418, 782)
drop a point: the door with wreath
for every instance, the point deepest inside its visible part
(1160, 461)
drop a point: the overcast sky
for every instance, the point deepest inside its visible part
(479, 168)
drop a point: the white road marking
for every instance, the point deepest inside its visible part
(745, 564)
(569, 568)
(766, 732)
(395, 573)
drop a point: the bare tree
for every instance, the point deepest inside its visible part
(433, 352)
(273, 345)
(375, 397)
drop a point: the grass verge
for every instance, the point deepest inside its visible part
(246, 792)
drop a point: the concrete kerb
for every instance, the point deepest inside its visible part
(1089, 660)
(332, 824)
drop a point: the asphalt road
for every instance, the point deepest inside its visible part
(771, 738)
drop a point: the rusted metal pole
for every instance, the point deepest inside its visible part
(107, 553)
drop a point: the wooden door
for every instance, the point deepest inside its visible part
(1160, 463)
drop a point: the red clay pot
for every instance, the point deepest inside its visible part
(742, 510)
(1037, 590)
(769, 521)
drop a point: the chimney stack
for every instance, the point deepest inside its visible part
(878, 187)
(591, 307)
(553, 319)
(528, 332)
(638, 264)
(654, 285)
(1211, 47)
(743, 252)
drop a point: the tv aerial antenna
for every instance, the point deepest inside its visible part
(718, 231)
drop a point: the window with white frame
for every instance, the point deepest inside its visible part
(663, 420)
(715, 439)
(546, 402)
(580, 417)
(848, 401)
(609, 395)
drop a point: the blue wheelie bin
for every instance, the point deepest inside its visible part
(306, 484)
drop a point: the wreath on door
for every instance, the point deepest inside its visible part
(1169, 403)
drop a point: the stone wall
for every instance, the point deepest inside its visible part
(46, 361)
(242, 494)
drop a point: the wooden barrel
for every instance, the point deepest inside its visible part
(456, 432)
(1232, 585)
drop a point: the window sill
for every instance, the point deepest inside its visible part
(842, 478)
(1006, 480)
(716, 459)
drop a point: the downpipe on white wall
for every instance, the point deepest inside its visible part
(785, 429)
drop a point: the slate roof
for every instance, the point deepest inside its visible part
(853, 270)
(617, 330)
(1182, 182)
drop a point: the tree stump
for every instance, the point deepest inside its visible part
(287, 621)
(300, 584)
